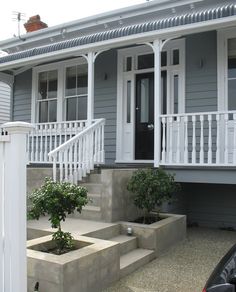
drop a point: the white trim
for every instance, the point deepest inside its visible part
(134, 52)
(61, 68)
(222, 69)
(139, 38)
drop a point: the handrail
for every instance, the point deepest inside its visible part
(76, 137)
(77, 156)
(198, 114)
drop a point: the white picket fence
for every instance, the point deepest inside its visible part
(13, 158)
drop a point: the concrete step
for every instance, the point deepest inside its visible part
(96, 200)
(131, 261)
(89, 213)
(127, 243)
(93, 188)
(93, 178)
(105, 233)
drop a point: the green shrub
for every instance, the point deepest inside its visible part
(151, 188)
(57, 200)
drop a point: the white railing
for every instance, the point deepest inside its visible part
(199, 139)
(47, 136)
(13, 158)
(77, 156)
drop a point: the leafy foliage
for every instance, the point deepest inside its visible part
(151, 188)
(57, 200)
(63, 241)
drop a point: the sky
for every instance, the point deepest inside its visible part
(53, 12)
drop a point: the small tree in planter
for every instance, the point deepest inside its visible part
(57, 200)
(151, 188)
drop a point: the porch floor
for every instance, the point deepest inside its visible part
(185, 267)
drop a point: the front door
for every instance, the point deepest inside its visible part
(144, 117)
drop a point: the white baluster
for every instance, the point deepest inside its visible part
(66, 164)
(37, 144)
(194, 140)
(61, 166)
(201, 140)
(171, 140)
(32, 152)
(234, 147)
(163, 153)
(218, 146)
(226, 152)
(102, 138)
(186, 139)
(75, 170)
(178, 140)
(55, 134)
(96, 146)
(54, 168)
(41, 143)
(209, 159)
(46, 143)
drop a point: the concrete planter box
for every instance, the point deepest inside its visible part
(91, 268)
(160, 235)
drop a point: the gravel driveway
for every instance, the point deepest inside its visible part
(184, 268)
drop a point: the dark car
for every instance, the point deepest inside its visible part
(223, 278)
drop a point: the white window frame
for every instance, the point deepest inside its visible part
(122, 75)
(222, 66)
(61, 83)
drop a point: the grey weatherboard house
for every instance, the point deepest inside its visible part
(149, 85)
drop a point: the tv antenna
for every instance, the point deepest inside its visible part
(19, 17)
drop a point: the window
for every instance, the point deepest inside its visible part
(76, 92)
(145, 61)
(47, 96)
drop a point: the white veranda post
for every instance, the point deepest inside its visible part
(13, 159)
(157, 46)
(90, 106)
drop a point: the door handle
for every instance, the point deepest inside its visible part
(150, 127)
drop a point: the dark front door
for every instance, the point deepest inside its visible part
(144, 126)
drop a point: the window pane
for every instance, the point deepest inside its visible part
(42, 94)
(128, 101)
(176, 94)
(43, 112)
(146, 61)
(71, 109)
(128, 64)
(52, 111)
(82, 108)
(71, 81)
(144, 100)
(232, 94)
(176, 57)
(82, 84)
(163, 59)
(52, 84)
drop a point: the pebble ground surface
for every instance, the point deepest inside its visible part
(183, 268)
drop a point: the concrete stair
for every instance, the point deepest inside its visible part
(92, 211)
(131, 256)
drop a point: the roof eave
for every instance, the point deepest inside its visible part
(89, 21)
(128, 40)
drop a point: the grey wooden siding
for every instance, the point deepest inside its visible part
(22, 97)
(105, 99)
(5, 94)
(201, 72)
(211, 205)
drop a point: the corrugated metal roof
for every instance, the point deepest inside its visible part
(184, 19)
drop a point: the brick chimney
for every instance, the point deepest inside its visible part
(34, 23)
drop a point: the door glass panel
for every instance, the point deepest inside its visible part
(164, 91)
(128, 108)
(146, 61)
(128, 64)
(163, 59)
(232, 74)
(176, 94)
(144, 118)
(175, 57)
